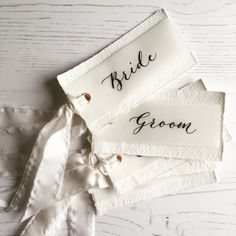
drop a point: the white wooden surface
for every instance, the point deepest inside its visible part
(40, 39)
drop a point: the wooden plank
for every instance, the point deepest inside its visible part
(40, 39)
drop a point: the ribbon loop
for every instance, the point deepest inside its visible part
(105, 166)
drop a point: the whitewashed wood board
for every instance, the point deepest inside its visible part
(40, 39)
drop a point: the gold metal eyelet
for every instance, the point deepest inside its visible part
(87, 96)
(119, 158)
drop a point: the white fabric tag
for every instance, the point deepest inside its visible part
(174, 124)
(143, 178)
(107, 199)
(127, 72)
(135, 171)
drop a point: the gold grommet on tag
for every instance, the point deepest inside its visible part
(87, 96)
(119, 158)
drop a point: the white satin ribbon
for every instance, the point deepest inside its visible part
(46, 163)
(48, 221)
(48, 179)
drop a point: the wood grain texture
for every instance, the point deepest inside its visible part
(40, 39)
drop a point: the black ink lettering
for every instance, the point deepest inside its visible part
(141, 122)
(186, 127)
(116, 81)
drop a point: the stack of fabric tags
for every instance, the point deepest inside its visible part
(123, 136)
